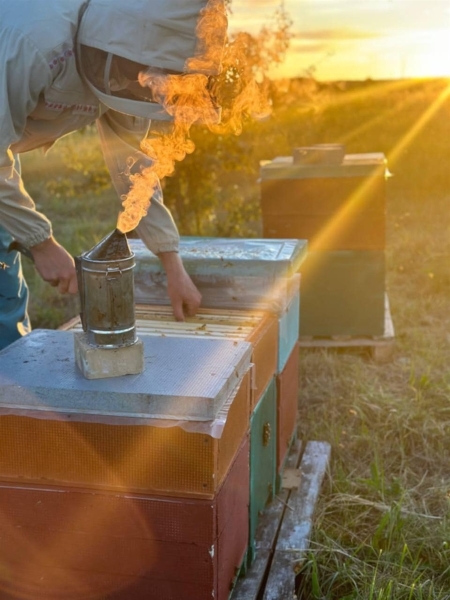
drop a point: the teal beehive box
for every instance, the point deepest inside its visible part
(263, 458)
(343, 293)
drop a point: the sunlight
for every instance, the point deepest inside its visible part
(433, 60)
(417, 128)
(87, 460)
(331, 230)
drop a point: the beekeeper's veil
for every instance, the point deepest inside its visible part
(118, 39)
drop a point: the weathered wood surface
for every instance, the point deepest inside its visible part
(295, 531)
(284, 531)
(250, 586)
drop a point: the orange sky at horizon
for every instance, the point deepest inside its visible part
(357, 39)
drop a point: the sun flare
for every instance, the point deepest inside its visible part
(434, 60)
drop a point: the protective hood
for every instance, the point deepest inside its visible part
(159, 34)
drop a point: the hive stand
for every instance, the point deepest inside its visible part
(284, 531)
(381, 348)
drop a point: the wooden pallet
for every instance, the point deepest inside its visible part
(381, 347)
(283, 534)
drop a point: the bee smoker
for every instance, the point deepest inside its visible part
(109, 346)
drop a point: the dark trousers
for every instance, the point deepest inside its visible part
(14, 321)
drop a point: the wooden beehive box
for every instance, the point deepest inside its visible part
(243, 274)
(340, 209)
(287, 407)
(60, 542)
(258, 328)
(334, 207)
(343, 294)
(54, 433)
(263, 456)
(289, 326)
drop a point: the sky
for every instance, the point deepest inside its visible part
(357, 39)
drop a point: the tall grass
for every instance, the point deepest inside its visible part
(382, 526)
(382, 523)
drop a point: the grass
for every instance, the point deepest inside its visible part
(382, 527)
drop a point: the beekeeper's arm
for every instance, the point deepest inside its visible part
(21, 82)
(120, 136)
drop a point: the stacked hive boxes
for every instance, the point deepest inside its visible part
(249, 275)
(130, 487)
(340, 210)
(150, 486)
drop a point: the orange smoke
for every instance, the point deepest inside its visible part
(195, 98)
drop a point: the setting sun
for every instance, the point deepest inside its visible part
(434, 61)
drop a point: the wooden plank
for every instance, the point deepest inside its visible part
(281, 582)
(291, 479)
(250, 586)
(388, 324)
(294, 536)
(296, 526)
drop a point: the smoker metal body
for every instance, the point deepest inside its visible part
(106, 288)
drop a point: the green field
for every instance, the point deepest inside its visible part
(382, 525)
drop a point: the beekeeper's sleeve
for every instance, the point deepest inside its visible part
(24, 74)
(120, 136)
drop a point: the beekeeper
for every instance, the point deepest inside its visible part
(65, 64)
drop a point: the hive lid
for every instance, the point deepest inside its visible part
(353, 165)
(230, 257)
(184, 378)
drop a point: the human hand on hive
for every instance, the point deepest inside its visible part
(184, 296)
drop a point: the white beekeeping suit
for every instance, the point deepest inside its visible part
(45, 94)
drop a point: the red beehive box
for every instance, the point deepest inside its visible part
(287, 406)
(77, 544)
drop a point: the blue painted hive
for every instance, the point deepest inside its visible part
(230, 273)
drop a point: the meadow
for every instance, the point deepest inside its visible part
(382, 526)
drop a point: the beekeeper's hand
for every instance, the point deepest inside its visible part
(184, 296)
(55, 265)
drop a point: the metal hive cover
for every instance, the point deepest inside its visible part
(353, 165)
(184, 378)
(230, 257)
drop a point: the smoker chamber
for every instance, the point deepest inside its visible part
(106, 288)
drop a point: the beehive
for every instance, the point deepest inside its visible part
(334, 207)
(258, 328)
(60, 542)
(243, 274)
(289, 326)
(287, 407)
(343, 293)
(340, 209)
(59, 434)
(263, 450)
